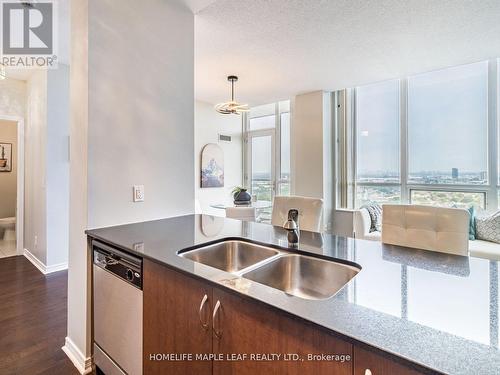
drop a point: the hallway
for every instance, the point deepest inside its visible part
(32, 320)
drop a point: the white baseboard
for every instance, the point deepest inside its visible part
(41, 266)
(56, 267)
(82, 364)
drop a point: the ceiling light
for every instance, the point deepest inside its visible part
(231, 107)
(3, 75)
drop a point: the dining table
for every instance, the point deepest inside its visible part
(257, 204)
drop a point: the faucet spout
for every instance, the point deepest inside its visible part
(292, 226)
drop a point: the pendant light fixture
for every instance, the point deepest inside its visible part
(232, 107)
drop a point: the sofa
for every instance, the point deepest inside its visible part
(477, 248)
(362, 224)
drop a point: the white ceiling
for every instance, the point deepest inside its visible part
(197, 5)
(280, 48)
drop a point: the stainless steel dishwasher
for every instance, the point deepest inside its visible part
(117, 308)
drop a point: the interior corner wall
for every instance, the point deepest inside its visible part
(35, 225)
(46, 190)
(208, 125)
(132, 123)
(313, 156)
(307, 145)
(141, 110)
(8, 180)
(57, 167)
(78, 335)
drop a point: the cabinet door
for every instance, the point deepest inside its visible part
(369, 363)
(173, 323)
(247, 327)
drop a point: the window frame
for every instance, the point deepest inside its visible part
(355, 132)
(346, 125)
(276, 153)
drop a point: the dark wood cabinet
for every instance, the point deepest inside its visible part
(173, 324)
(377, 364)
(247, 327)
(187, 316)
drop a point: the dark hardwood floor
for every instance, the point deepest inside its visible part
(32, 320)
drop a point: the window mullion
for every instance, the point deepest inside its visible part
(403, 108)
(492, 199)
(353, 142)
(277, 153)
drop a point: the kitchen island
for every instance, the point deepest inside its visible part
(407, 311)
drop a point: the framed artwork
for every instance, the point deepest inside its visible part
(5, 157)
(212, 166)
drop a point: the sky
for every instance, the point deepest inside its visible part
(261, 146)
(447, 122)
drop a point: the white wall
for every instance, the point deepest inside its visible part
(208, 125)
(47, 167)
(8, 180)
(57, 167)
(132, 122)
(141, 118)
(311, 142)
(12, 98)
(78, 343)
(35, 225)
(13, 105)
(307, 145)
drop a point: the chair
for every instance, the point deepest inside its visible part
(439, 229)
(310, 211)
(241, 213)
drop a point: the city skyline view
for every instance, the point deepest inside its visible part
(447, 116)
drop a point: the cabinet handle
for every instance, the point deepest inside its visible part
(368, 372)
(217, 333)
(200, 312)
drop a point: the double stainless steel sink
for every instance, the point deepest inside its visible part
(295, 274)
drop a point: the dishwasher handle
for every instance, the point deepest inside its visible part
(105, 261)
(115, 253)
(124, 266)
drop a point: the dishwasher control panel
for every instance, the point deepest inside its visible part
(125, 266)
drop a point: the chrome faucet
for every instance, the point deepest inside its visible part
(292, 226)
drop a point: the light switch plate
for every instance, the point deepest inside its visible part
(138, 193)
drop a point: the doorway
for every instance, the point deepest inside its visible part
(267, 149)
(11, 186)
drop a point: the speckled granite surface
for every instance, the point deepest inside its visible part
(437, 310)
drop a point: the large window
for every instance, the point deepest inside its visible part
(261, 166)
(377, 143)
(377, 119)
(458, 199)
(284, 182)
(425, 139)
(381, 194)
(448, 126)
(267, 143)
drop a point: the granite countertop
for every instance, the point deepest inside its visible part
(437, 310)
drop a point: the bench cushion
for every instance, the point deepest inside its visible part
(484, 249)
